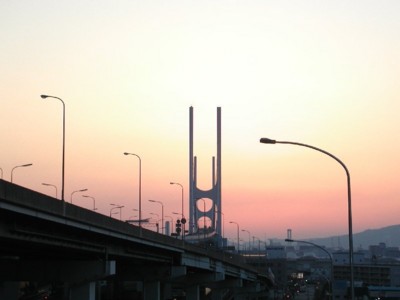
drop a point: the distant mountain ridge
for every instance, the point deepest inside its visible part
(389, 235)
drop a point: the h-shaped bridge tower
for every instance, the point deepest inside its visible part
(199, 216)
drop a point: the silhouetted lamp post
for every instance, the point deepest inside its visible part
(323, 249)
(83, 190)
(157, 220)
(350, 221)
(140, 186)
(20, 166)
(238, 237)
(94, 201)
(48, 184)
(162, 214)
(182, 195)
(115, 206)
(183, 214)
(63, 145)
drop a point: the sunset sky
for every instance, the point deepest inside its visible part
(324, 73)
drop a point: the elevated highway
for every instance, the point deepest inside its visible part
(92, 256)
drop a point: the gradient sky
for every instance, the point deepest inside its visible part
(324, 73)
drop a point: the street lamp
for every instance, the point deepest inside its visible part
(323, 249)
(162, 214)
(182, 195)
(63, 146)
(115, 206)
(20, 166)
(238, 237)
(48, 184)
(157, 220)
(1, 173)
(183, 215)
(350, 222)
(244, 230)
(140, 186)
(94, 201)
(83, 190)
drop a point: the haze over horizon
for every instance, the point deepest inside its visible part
(324, 73)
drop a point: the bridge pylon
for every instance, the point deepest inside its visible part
(205, 223)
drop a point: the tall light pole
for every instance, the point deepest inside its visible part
(20, 166)
(350, 222)
(115, 206)
(323, 249)
(1, 173)
(94, 201)
(48, 184)
(63, 145)
(162, 214)
(140, 186)
(158, 219)
(83, 190)
(244, 230)
(238, 237)
(183, 214)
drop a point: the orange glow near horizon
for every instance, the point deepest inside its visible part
(324, 74)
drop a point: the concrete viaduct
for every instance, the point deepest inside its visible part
(92, 256)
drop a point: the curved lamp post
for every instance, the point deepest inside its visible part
(116, 206)
(94, 201)
(48, 184)
(238, 236)
(157, 220)
(162, 214)
(140, 186)
(83, 190)
(20, 166)
(183, 214)
(350, 222)
(63, 146)
(323, 249)
(182, 195)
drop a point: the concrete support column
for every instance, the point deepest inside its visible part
(86, 291)
(9, 290)
(193, 292)
(151, 290)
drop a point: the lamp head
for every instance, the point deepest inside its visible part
(267, 141)
(126, 153)
(289, 240)
(44, 96)
(27, 165)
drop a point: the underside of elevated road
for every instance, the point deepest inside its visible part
(49, 247)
